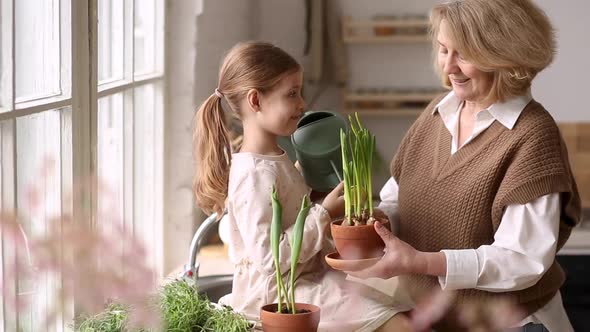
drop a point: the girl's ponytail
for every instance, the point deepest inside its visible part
(212, 155)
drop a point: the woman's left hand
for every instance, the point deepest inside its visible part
(400, 258)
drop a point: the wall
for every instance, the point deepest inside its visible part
(195, 44)
(178, 201)
(282, 22)
(558, 87)
(561, 85)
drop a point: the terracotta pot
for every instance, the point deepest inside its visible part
(305, 322)
(384, 31)
(357, 242)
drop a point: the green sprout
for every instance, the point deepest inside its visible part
(358, 151)
(284, 295)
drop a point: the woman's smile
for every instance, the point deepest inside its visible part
(459, 81)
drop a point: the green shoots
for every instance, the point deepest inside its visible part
(296, 241)
(113, 319)
(358, 150)
(182, 308)
(276, 229)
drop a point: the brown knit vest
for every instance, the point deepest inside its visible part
(457, 201)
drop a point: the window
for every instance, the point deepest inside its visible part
(81, 87)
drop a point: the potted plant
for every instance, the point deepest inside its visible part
(354, 235)
(288, 315)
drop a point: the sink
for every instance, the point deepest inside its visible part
(215, 286)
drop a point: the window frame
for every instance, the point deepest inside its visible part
(80, 55)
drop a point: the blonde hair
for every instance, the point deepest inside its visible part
(248, 65)
(512, 39)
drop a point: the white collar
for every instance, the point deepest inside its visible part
(506, 112)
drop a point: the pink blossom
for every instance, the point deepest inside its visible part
(98, 260)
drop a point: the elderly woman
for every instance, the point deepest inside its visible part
(481, 186)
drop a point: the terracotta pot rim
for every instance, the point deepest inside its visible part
(338, 223)
(311, 307)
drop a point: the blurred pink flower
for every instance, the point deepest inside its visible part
(98, 261)
(431, 310)
(18, 261)
(474, 316)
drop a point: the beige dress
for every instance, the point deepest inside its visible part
(345, 305)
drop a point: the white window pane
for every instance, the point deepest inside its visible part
(3, 169)
(111, 156)
(2, 41)
(144, 34)
(5, 258)
(40, 148)
(111, 150)
(37, 48)
(5, 59)
(8, 244)
(144, 109)
(110, 40)
(147, 160)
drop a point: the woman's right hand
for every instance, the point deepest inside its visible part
(334, 202)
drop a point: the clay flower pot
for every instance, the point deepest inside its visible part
(384, 30)
(307, 321)
(357, 242)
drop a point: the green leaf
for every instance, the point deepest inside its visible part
(296, 242)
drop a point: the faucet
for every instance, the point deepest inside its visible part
(191, 270)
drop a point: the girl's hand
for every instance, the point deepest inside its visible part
(334, 202)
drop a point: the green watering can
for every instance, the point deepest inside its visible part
(316, 143)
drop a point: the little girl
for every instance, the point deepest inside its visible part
(262, 86)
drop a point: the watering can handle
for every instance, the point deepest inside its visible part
(336, 170)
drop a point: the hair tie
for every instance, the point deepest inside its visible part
(218, 93)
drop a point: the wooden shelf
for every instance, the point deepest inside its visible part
(577, 140)
(385, 39)
(389, 112)
(382, 31)
(393, 22)
(396, 96)
(387, 103)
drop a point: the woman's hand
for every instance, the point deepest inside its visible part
(401, 258)
(380, 215)
(334, 202)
